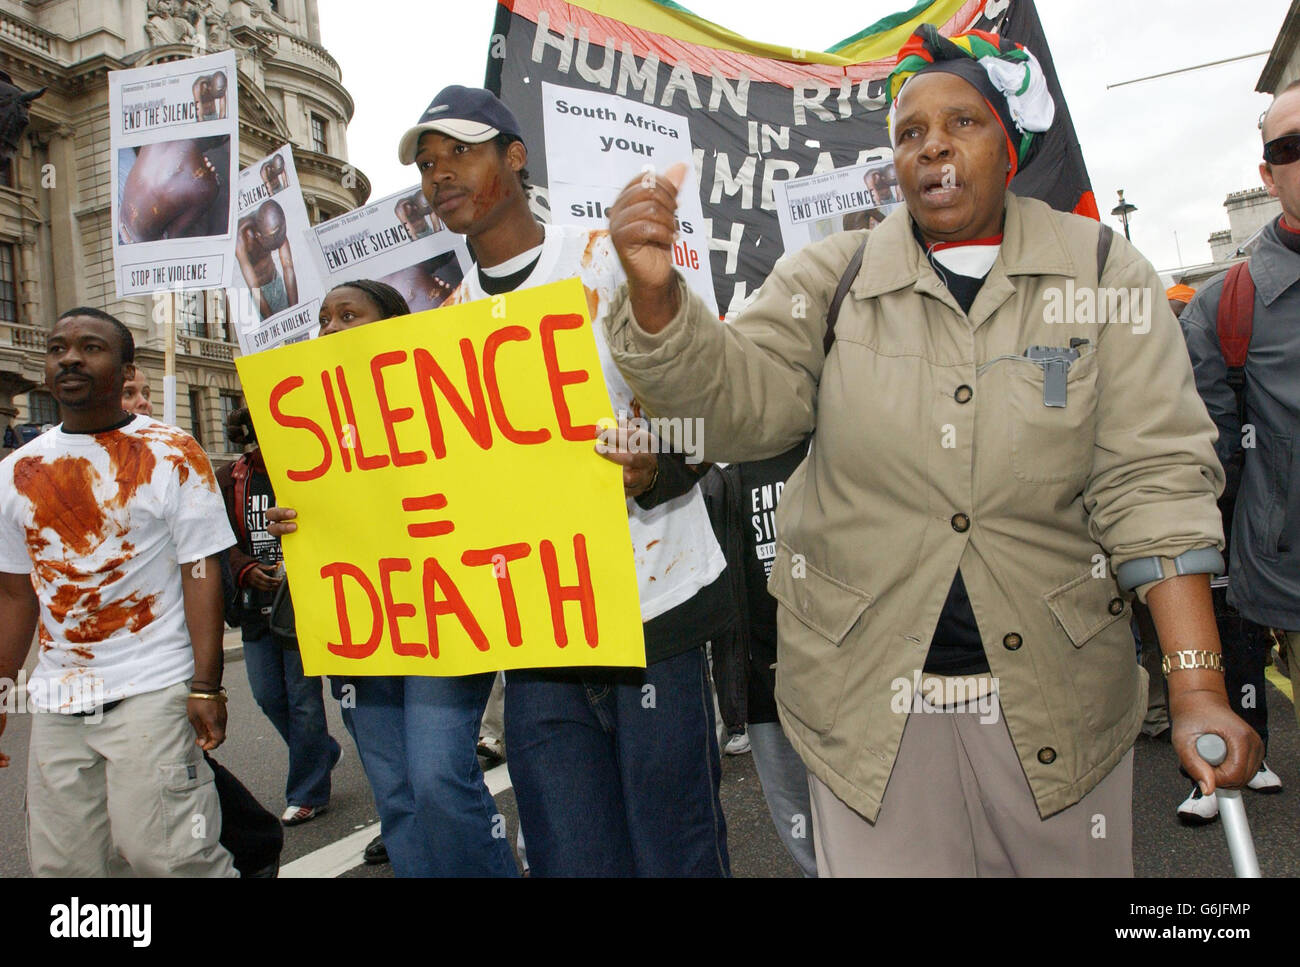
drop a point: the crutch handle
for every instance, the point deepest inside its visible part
(1236, 828)
(1212, 748)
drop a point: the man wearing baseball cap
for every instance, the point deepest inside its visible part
(469, 114)
(607, 783)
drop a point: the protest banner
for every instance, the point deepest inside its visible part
(398, 240)
(596, 143)
(455, 515)
(174, 147)
(759, 113)
(817, 206)
(273, 287)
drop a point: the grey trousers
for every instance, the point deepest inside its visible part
(785, 787)
(958, 804)
(494, 716)
(129, 793)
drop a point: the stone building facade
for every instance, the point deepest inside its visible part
(55, 232)
(1248, 212)
(1252, 209)
(1283, 64)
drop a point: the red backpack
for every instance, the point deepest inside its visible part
(1236, 316)
(1234, 321)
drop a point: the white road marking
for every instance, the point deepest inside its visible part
(332, 860)
(345, 854)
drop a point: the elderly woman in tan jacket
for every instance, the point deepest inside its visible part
(994, 474)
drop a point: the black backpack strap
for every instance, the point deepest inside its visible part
(841, 290)
(1104, 237)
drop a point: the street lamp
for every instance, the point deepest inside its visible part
(1123, 210)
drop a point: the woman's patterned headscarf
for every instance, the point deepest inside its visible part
(1007, 75)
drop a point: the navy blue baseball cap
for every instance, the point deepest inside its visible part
(469, 114)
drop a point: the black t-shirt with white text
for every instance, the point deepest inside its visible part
(761, 484)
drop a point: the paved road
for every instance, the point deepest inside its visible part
(255, 753)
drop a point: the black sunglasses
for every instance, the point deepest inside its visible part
(1284, 150)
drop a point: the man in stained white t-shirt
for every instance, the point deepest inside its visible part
(109, 527)
(615, 771)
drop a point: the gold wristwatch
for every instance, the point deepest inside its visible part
(1189, 659)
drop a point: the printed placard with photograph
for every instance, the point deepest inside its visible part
(174, 145)
(842, 200)
(273, 288)
(397, 240)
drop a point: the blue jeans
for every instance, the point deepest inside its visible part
(296, 708)
(616, 772)
(417, 739)
(784, 779)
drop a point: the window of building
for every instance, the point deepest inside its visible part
(41, 408)
(318, 141)
(196, 415)
(217, 319)
(191, 314)
(7, 172)
(8, 287)
(229, 403)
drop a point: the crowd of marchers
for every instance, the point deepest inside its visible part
(950, 468)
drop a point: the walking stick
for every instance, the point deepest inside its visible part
(1241, 846)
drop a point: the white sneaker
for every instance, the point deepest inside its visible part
(1198, 809)
(738, 744)
(1266, 780)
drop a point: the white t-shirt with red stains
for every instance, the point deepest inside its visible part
(103, 522)
(673, 544)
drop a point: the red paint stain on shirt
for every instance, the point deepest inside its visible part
(35, 542)
(63, 499)
(587, 253)
(70, 596)
(182, 468)
(85, 653)
(50, 571)
(64, 600)
(112, 565)
(593, 302)
(131, 612)
(195, 458)
(652, 544)
(130, 461)
(47, 642)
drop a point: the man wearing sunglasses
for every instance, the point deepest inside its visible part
(1257, 309)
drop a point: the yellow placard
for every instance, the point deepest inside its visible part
(453, 514)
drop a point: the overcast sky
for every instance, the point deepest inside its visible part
(1176, 145)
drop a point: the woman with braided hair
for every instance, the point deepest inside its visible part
(954, 661)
